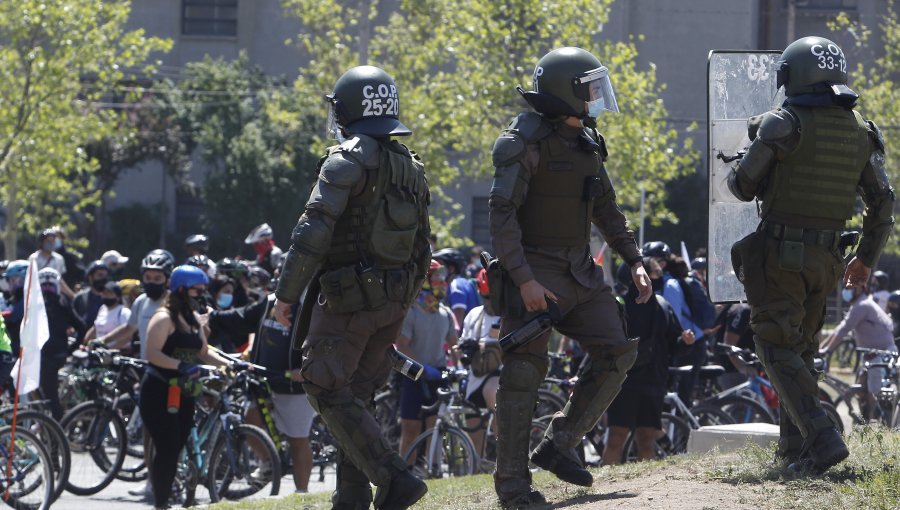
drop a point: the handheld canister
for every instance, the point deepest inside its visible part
(173, 400)
(405, 365)
(531, 329)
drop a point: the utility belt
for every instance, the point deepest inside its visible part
(793, 239)
(351, 289)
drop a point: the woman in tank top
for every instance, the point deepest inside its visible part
(176, 342)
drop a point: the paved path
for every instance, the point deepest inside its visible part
(116, 497)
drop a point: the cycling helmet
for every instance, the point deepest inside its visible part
(450, 257)
(160, 260)
(44, 234)
(260, 233)
(187, 276)
(96, 265)
(699, 263)
(48, 275)
(882, 279)
(894, 298)
(258, 277)
(230, 268)
(657, 249)
(16, 269)
(481, 281)
(201, 261)
(198, 241)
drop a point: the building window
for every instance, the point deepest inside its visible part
(209, 17)
(481, 229)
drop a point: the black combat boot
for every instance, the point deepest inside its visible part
(562, 463)
(523, 500)
(827, 450)
(404, 490)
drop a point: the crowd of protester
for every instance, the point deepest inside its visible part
(174, 310)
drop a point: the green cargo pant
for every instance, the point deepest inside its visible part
(785, 316)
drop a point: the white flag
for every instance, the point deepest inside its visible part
(34, 333)
(685, 256)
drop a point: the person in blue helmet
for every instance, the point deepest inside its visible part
(175, 344)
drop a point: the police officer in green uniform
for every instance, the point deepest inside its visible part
(362, 247)
(807, 162)
(549, 186)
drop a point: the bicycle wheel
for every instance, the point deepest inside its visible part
(454, 456)
(29, 475)
(743, 409)
(548, 403)
(244, 461)
(97, 440)
(673, 441)
(387, 414)
(52, 436)
(708, 415)
(133, 468)
(323, 445)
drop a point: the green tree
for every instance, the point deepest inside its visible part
(457, 63)
(252, 131)
(58, 60)
(878, 88)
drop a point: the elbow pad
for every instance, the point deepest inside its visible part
(311, 236)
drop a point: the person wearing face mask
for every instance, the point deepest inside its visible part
(46, 256)
(428, 326)
(873, 329)
(175, 344)
(221, 297)
(60, 318)
(111, 315)
(74, 264)
(88, 301)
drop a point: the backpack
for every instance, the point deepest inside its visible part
(703, 312)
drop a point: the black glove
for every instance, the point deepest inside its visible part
(239, 365)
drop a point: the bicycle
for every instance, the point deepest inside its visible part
(446, 449)
(231, 459)
(855, 396)
(27, 470)
(31, 418)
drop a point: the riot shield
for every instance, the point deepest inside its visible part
(740, 84)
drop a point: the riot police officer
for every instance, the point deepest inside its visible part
(549, 186)
(362, 246)
(807, 161)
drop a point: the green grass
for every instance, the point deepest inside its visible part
(869, 479)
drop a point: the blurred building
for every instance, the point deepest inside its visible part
(674, 35)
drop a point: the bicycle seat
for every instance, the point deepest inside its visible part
(681, 370)
(711, 371)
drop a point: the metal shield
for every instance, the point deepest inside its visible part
(740, 84)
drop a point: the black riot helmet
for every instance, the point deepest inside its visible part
(365, 101)
(814, 65)
(571, 82)
(657, 249)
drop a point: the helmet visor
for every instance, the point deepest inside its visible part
(332, 130)
(600, 92)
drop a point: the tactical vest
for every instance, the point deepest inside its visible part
(557, 211)
(379, 226)
(817, 182)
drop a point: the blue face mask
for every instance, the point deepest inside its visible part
(57, 244)
(225, 300)
(847, 294)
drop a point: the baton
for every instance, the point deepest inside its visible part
(531, 329)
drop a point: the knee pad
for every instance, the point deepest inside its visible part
(522, 373)
(603, 358)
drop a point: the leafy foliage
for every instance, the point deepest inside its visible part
(58, 59)
(878, 88)
(457, 63)
(255, 135)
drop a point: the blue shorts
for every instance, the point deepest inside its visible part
(414, 395)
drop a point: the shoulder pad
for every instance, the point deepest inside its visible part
(362, 148)
(341, 169)
(776, 125)
(508, 148)
(531, 126)
(876, 135)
